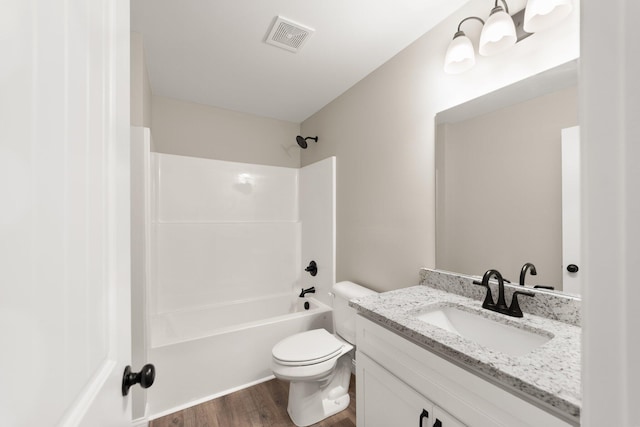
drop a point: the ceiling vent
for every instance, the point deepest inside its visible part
(288, 35)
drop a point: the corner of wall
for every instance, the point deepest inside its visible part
(140, 85)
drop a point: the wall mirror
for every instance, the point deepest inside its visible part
(499, 181)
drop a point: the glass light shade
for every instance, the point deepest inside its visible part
(498, 33)
(460, 56)
(542, 14)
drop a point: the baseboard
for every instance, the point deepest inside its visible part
(140, 422)
(206, 399)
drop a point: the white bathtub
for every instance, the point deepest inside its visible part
(205, 353)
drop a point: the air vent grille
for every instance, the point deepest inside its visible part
(288, 35)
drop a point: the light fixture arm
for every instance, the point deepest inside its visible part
(460, 32)
(466, 19)
(506, 7)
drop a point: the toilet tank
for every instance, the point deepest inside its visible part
(344, 317)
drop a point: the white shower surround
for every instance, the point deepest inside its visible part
(230, 242)
(224, 231)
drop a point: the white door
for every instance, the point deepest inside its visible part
(64, 212)
(571, 217)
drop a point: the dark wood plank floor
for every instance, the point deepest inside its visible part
(264, 404)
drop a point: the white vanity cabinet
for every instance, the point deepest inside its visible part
(387, 401)
(399, 383)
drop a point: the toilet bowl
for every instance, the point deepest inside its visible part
(318, 363)
(318, 366)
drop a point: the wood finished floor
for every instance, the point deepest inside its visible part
(264, 404)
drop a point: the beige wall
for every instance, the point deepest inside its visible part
(499, 189)
(382, 133)
(190, 129)
(140, 86)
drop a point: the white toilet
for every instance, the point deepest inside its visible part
(318, 363)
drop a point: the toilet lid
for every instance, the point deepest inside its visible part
(307, 348)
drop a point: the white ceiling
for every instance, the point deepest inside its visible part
(213, 52)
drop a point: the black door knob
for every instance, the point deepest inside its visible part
(572, 268)
(145, 377)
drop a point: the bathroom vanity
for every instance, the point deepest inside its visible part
(413, 369)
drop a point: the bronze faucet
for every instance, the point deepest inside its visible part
(500, 306)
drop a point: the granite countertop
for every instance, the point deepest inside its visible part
(548, 376)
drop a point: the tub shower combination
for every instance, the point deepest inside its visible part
(229, 246)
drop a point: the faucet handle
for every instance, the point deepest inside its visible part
(488, 298)
(312, 268)
(514, 308)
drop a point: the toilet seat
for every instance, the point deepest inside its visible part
(307, 348)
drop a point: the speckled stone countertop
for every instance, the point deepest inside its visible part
(550, 304)
(548, 376)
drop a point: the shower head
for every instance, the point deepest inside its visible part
(302, 142)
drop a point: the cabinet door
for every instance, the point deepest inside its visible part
(384, 400)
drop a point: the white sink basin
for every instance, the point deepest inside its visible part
(486, 332)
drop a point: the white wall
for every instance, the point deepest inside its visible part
(609, 132)
(223, 232)
(382, 133)
(190, 129)
(140, 86)
(317, 216)
(140, 223)
(141, 144)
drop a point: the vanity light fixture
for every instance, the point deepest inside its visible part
(460, 56)
(499, 31)
(542, 14)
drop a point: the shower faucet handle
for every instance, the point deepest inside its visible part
(312, 268)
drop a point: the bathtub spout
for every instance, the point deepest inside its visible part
(311, 290)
